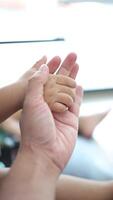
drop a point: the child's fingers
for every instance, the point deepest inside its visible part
(67, 90)
(64, 80)
(65, 99)
(40, 62)
(59, 107)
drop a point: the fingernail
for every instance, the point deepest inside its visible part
(43, 68)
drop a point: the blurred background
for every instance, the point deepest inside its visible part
(31, 29)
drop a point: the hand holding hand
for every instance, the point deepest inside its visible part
(59, 92)
(51, 134)
(66, 68)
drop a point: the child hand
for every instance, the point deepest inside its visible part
(59, 92)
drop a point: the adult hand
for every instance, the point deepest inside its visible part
(51, 134)
(65, 68)
(55, 65)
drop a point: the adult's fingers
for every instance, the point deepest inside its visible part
(36, 83)
(74, 71)
(40, 62)
(75, 108)
(53, 64)
(65, 80)
(67, 65)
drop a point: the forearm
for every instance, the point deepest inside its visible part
(11, 99)
(11, 126)
(78, 189)
(29, 178)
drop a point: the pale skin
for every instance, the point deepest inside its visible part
(59, 95)
(79, 189)
(88, 123)
(43, 169)
(12, 96)
(48, 149)
(49, 162)
(73, 188)
(68, 68)
(58, 91)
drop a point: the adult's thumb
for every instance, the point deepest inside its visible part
(37, 82)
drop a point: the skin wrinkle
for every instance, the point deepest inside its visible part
(69, 147)
(65, 99)
(56, 149)
(53, 83)
(42, 109)
(69, 92)
(68, 81)
(70, 123)
(60, 128)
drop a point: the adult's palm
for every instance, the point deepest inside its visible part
(52, 134)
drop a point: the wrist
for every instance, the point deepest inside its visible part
(30, 177)
(41, 161)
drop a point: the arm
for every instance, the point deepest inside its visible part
(12, 96)
(67, 187)
(11, 99)
(31, 177)
(33, 174)
(43, 151)
(79, 189)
